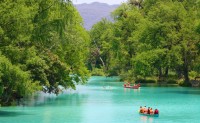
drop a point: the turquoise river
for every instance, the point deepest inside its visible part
(104, 100)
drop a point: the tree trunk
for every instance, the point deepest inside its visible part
(102, 61)
(166, 72)
(100, 55)
(186, 75)
(179, 72)
(186, 71)
(160, 73)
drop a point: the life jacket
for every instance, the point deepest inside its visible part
(156, 111)
(141, 110)
(148, 111)
(145, 110)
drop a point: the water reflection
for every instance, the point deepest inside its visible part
(130, 89)
(192, 92)
(146, 119)
(12, 113)
(70, 97)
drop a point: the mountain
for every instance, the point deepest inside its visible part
(94, 12)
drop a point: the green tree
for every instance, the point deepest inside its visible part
(101, 45)
(15, 83)
(155, 37)
(44, 40)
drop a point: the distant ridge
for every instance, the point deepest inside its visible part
(94, 12)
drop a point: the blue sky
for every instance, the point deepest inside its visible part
(102, 1)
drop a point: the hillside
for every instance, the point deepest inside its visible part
(94, 12)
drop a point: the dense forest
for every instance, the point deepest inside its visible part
(43, 45)
(152, 40)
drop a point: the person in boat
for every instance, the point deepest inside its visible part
(128, 84)
(148, 111)
(151, 111)
(141, 109)
(145, 110)
(156, 111)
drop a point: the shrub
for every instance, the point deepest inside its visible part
(98, 72)
(146, 81)
(171, 81)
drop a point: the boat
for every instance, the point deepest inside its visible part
(138, 84)
(150, 115)
(133, 87)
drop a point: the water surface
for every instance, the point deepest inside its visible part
(104, 100)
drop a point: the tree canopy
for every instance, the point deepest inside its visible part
(152, 38)
(42, 45)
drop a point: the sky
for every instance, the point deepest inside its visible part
(110, 2)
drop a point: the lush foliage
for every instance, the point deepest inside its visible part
(42, 45)
(150, 38)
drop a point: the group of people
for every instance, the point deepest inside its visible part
(145, 110)
(129, 84)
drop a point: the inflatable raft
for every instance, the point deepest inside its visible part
(150, 115)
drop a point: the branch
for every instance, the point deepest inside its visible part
(99, 55)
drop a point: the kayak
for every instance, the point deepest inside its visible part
(150, 115)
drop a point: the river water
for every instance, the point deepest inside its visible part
(104, 100)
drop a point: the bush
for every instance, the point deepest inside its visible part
(171, 81)
(193, 74)
(98, 72)
(145, 81)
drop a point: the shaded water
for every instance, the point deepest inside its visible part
(103, 100)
